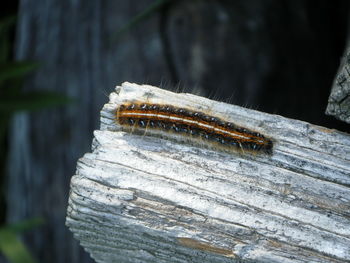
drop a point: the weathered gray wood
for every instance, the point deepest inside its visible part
(339, 99)
(146, 199)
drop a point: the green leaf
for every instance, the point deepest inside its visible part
(13, 249)
(11, 246)
(16, 69)
(151, 9)
(33, 101)
(24, 225)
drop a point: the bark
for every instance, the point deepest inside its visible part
(339, 99)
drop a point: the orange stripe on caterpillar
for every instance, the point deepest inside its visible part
(194, 123)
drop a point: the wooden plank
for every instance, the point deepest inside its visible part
(139, 198)
(339, 99)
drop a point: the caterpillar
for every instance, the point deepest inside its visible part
(194, 124)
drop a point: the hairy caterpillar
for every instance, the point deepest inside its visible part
(195, 124)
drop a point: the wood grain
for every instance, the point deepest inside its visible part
(148, 199)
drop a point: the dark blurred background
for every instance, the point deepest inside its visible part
(61, 58)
